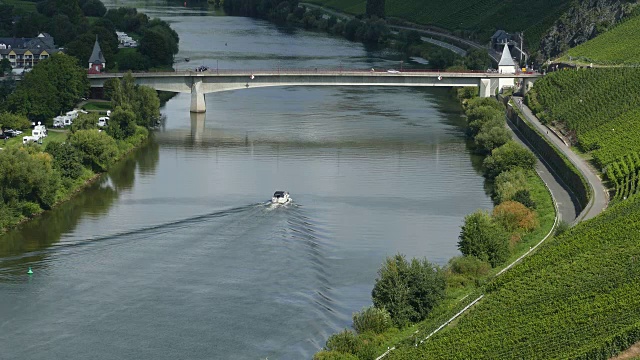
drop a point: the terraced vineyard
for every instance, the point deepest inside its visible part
(602, 107)
(482, 16)
(577, 297)
(624, 174)
(618, 46)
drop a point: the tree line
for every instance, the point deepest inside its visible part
(74, 25)
(407, 291)
(34, 178)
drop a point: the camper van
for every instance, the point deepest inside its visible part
(62, 121)
(102, 121)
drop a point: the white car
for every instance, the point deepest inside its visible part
(393, 71)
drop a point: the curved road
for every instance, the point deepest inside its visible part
(600, 198)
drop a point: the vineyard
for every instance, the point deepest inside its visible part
(599, 105)
(577, 297)
(482, 16)
(617, 46)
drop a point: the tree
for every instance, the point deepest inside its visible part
(508, 156)
(66, 159)
(483, 238)
(508, 183)
(122, 123)
(146, 105)
(5, 67)
(409, 291)
(52, 87)
(13, 121)
(98, 149)
(94, 8)
(490, 137)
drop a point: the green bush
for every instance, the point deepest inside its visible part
(523, 196)
(345, 342)
(483, 238)
(333, 355)
(465, 270)
(371, 319)
(491, 137)
(408, 290)
(508, 183)
(509, 156)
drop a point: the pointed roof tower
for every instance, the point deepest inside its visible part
(506, 59)
(96, 55)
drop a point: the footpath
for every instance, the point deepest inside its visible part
(599, 197)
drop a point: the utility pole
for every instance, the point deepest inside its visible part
(521, 49)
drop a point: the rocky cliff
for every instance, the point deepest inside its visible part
(583, 21)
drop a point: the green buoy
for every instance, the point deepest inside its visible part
(30, 271)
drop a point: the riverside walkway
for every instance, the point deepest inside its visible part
(599, 198)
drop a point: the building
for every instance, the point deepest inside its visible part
(25, 53)
(500, 38)
(506, 66)
(97, 63)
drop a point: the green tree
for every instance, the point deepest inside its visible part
(483, 238)
(491, 137)
(146, 105)
(98, 149)
(13, 121)
(409, 291)
(5, 67)
(66, 159)
(508, 156)
(52, 87)
(85, 122)
(94, 8)
(122, 123)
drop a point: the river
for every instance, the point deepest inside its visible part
(175, 255)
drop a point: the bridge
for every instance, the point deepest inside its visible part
(198, 83)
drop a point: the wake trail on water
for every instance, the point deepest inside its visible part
(130, 235)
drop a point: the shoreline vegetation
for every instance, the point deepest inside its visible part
(524, 213)
(38, 177)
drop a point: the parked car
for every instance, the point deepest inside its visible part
(28, 139)
(12, 133)
(4, 136)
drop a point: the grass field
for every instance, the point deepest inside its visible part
(20, 5)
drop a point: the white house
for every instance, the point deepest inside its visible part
(506, 66)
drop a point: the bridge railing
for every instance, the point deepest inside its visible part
(304, 71)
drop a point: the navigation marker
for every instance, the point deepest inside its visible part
(30, 272)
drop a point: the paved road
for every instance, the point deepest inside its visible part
(600, 198)
(567, 206)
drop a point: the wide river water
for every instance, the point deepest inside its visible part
(175, 255)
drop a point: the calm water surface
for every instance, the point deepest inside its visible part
(174, 254)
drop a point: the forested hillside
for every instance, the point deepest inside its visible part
(476, 18)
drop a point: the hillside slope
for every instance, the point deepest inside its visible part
(577, 297)
(481, 17)
(618, 46)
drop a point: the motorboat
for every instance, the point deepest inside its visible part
(280, 197)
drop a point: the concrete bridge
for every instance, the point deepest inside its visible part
(200, 83)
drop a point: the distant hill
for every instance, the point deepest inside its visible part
(618, 46)
(480, 17)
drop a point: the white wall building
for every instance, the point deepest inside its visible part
(506, 66)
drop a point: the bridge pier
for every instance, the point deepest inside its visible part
(197, 98)
(527, 83)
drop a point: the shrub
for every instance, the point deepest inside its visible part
(483, 238)
(513, 216)
(333, 355)
(523, 196)
(491, 137)
(345, 342)
(508, 183)
(409, 291)
(464, 270)
(508, 156)
(371, 319)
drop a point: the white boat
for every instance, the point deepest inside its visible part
(280, 197)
